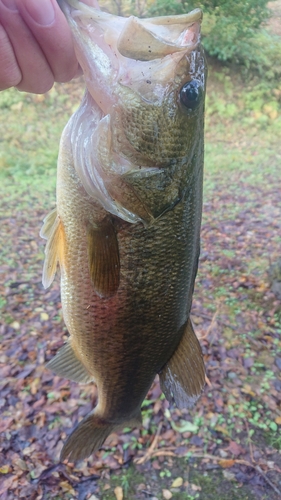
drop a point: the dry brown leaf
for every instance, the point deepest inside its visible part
(195, 487)
(235, 448)
(118, 493)
(227, 463)
(247, 389)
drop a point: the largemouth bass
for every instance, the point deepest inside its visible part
(127, 223)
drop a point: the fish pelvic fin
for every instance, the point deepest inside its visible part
(53, 232)
(90, 435)
(183, 378)
(104, 262)
(67, 365)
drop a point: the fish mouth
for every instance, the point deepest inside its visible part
(112, 49)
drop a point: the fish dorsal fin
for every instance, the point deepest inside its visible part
(67, 365)
(183, 377)
(104, 260)
(53, 231)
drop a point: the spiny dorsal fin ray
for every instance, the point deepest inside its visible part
(53, 231)
(183, 377)
(67, 365)
(104, 260)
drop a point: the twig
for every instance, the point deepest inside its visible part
(258, 469)
(163, 453)
(209, 318)
(151, 449)
(149, 493)
(210, 327)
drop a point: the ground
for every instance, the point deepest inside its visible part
(228, 446)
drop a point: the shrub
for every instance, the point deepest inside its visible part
(230, 25)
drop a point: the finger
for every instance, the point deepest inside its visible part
(49, 27)
(36, 74)
(10, 74)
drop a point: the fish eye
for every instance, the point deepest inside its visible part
(190, 94)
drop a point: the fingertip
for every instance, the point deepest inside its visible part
(55, 39)
(42, 12)
(37, 86)
(10, 74)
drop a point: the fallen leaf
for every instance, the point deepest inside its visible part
(195, 487)
(66, 486)
(247, 389)
(15, 325)
(6, 484)
(235, 448)
(278, 420)
(5, 424)
(226, 463)
(4, 469)
(228, 475)
(167, 494)
(118, 493)
(177, 483)
(221, 429)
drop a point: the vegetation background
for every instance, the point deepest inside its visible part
(228, 447)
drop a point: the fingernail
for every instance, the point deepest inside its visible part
(10, 4)
(41, 11)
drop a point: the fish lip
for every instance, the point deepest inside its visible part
(195, 15)
(172, 37)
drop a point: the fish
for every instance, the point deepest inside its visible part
(126, 227)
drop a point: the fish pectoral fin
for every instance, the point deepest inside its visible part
(183, 377)
(53, 232)
(67, 365)
(90, 435)
(48, 223)
(104, 260)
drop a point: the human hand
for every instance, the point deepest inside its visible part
(36, 47)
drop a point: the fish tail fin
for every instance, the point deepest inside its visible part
(90, 435)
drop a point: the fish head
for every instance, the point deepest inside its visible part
(147, 77)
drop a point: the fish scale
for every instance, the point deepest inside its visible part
(127, 225)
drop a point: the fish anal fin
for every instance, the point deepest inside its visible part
(104, 263)
(53, 231)
(67, 365)
(90, 435)
(183, 378)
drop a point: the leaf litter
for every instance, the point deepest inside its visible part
(236, 424)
